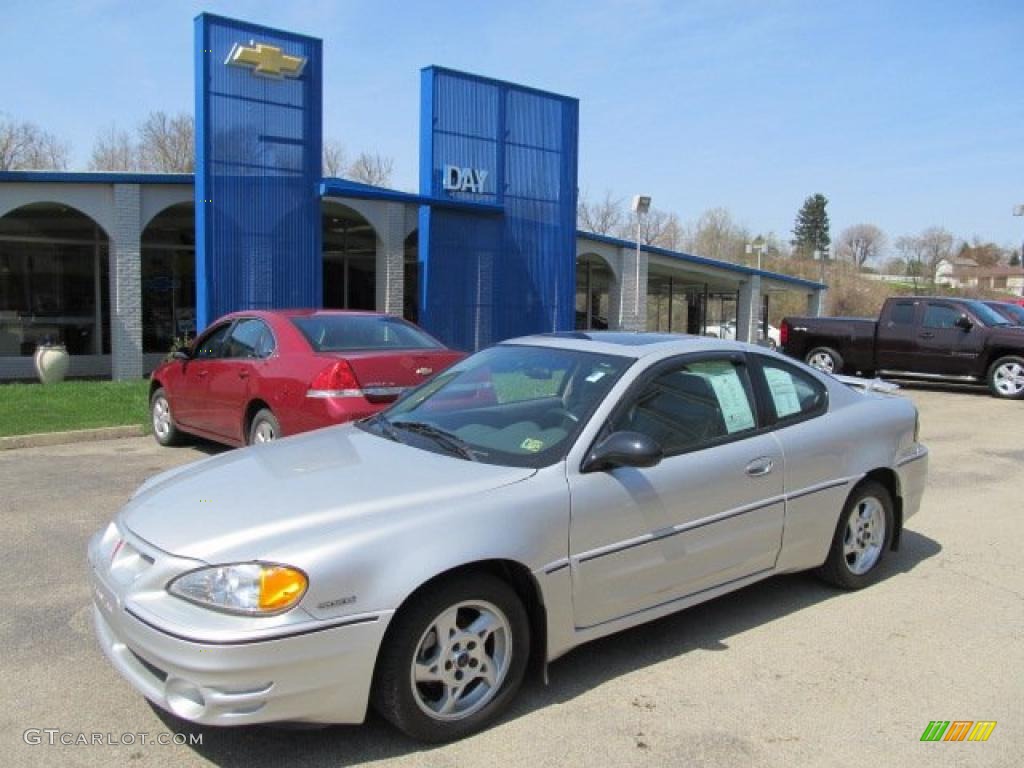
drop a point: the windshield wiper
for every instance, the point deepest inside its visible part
(385, 427)
(445, 439)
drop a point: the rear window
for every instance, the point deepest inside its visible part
(338, 333)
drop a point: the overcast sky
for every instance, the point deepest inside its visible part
(904, 114)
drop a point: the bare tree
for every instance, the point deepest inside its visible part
(861, 243)
(653, 227)
(911, 250)
(26, 146)
(936, 246)
(371, 169)
(716, 236)
(333, 158)
(114, 150)
(166, 144)
(604, 217)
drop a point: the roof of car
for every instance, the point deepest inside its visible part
(630, 344)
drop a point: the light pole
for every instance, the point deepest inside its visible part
(641, 206)
(757, 246)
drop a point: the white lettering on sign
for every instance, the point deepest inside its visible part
(457, 179)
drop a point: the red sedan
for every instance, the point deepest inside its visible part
(256, 376)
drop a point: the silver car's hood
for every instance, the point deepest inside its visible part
(244, 502)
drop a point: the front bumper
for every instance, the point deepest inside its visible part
(320, 675)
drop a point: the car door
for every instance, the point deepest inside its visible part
(896, 337)
(710, 512)
(945, 348)
(233, 378)
(189, 401)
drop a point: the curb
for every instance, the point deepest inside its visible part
(64, 438)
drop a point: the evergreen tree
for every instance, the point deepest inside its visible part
(810, 233)
(1015, 259)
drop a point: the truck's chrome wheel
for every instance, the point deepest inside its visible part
(461, 660)
(822, 361)
(865, 536)
(1008, 379)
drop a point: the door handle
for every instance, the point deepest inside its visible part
(925, 335)
(759, 467)
(243, 374)
(203, 373)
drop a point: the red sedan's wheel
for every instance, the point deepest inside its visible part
(265, 427)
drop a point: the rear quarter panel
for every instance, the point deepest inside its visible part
(852, 338)
(826, 458)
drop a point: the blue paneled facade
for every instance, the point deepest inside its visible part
(487, 278)
(258, 155)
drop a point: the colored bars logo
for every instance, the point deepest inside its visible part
(958, 730)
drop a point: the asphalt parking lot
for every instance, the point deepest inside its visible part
(788, 672)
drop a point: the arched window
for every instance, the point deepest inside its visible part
(53, 281)
(169, 278)
(350, 258)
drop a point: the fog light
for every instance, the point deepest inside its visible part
(184, 698)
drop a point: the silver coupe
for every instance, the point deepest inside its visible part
(535, 496)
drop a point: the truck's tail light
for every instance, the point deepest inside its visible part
(783, 334)
(336, 380)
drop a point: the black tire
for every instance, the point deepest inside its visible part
(393, 694)
(264, 427)
(1011, 365)
(165, 431)
(820, 354)
(838, 569)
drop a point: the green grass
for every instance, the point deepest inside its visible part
(30, 408)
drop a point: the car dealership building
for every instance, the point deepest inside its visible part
(116, 265)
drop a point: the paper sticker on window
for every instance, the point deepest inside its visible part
(532, 444)
(732, 397)
(783, 392)
(595, 377)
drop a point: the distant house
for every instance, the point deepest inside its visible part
(947, 267)
(998, 278)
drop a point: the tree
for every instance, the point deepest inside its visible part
(911, 251)
(936, 246)
(811, 231)
(26, 146)
(981, 253)
(604, 217)
(333, 158)
(860, 244)
(657, 227)
(1015, 259)
(716, 236)
(371, 169)
(114, 150)
(166, 144)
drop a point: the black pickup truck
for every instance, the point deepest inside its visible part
(916, 337)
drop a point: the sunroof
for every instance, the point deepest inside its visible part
(623, 338)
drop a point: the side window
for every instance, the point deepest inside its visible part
(251, 338)
(793, 394)
(903, 313)
(691, 406)
(210, 345)
(940, 316)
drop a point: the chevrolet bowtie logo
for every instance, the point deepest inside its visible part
(266, 60)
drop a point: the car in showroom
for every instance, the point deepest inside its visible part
(537, 495)
(252, 377)
(727, 330)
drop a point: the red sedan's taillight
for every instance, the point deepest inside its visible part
(336, 380)
(783, 334)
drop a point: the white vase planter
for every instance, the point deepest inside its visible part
(52, 362)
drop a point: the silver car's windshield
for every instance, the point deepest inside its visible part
(510, 404)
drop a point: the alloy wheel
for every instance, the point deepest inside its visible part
(1009, 379)
(161, 417)
(865, 535)
(823, 362)
(461, 660)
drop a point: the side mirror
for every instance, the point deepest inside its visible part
(964, 323)
(181, 354)
(623, 449)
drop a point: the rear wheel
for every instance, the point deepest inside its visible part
(164, 429)
(1006, 377)
(825, 359)
(264, 427)
(861, 539)
(453, 659)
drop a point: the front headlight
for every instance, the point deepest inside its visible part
(249, 589)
